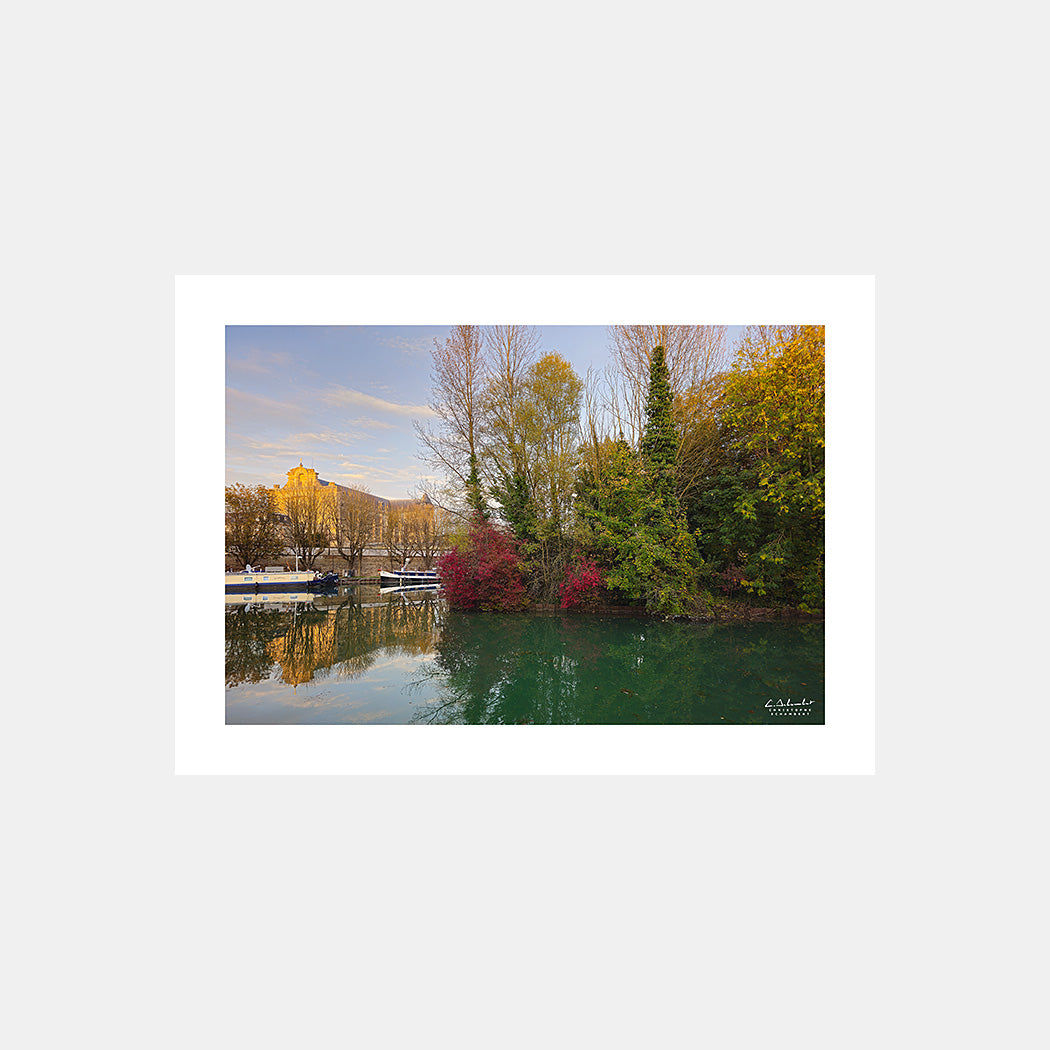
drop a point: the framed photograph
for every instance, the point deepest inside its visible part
(564, 538)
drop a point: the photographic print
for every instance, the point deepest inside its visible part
(525, 525)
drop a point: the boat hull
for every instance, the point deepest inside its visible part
(250, 582)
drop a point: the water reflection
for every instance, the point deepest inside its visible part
(342, 634)
(362, 656)
(620, 670)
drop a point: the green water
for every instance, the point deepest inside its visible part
(361, 657)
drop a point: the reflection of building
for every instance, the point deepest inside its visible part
(349, 640)
(305, 480)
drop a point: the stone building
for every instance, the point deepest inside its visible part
(302, 478)
(305, 480)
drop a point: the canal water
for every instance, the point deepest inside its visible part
(365, 657)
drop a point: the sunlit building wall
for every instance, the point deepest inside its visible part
(302, 478)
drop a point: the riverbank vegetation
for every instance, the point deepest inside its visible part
(687, 479)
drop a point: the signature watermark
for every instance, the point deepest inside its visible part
(789, 708)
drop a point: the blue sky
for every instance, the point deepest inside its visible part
(343, 399)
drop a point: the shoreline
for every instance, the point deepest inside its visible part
(720, 614)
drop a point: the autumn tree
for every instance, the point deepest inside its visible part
(762, 512)
(396, 536)
(551, 417)
(252, 533)
(416, 529)
(536, 496)
(701, 450)
(429, 528)
(459, 378)
(357, 525)
(511, 350)
(311, 523)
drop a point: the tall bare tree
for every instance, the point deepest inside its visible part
(511, 351)
(701, 449)
(459, 381)
(695, 355)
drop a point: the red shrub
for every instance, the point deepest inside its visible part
(729, 579)
(581, 585)
(486, 574)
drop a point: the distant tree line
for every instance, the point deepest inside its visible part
(307, 523)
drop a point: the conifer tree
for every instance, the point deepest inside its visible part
(660, 441)
(637, 525)
(474, 495)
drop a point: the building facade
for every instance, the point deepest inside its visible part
(334, 498)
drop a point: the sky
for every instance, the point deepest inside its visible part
(342, 399)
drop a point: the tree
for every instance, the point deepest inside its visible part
(701, 450)
(459, 379)
(551, 415)
(763, 509)
(536, 498)
(634, 521)
(357, 526)
(311, 523)
(695, 355)
(252, 533)
(397, 535)
(429, 525)
(659, 446)
(511, 351)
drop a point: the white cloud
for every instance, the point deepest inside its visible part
(257, 408)
(344, 396)
(259, 362)
(416, 344)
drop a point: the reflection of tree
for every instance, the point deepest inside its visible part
(396, 626)
(312, 641)
(302, 648)
(595, 670)
(476, 660)
(249, 632)
(553, 669)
